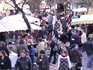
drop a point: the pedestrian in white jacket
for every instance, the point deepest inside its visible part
(83, 40)
(83, 37)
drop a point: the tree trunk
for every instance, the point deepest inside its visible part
(23, 15)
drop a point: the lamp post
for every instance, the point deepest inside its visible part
(55, 6)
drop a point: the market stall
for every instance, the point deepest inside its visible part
(80, 10)
(18, 18)
(85, 19)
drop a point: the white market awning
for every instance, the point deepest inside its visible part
(80, 10)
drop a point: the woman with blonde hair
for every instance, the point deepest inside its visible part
(5, 63)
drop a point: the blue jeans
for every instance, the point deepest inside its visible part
(89, 60)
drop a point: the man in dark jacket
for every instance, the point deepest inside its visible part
(89, 50)
(24, 62)
(3, 47)
(74, 39)
(43, 61)
(50, 28)
(68, 49)
(75, 54)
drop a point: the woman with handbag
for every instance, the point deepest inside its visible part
(53, 53)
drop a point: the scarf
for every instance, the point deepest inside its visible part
(63, 55)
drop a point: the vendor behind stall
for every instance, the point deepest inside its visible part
(29, 37)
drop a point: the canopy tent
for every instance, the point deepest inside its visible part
(7, 26)
(85, 19)
(34, 27)
(90, 11)
(18, 18)
(80, 10)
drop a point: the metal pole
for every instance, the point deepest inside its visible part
(55, 6)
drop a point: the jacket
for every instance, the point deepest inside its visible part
(75, 38)
(7, 63)
(68, 51)
(22, 46)
(50, 27)
(31, 50)
(52, 45)
(83, 38)
(45, 63)
(56, 33)
(75, 56)
(41, 46)
(88, 47)
(23, 64)
(43, 33)
(63, 38)
(26, 38)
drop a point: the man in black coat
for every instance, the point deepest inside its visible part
(50, 28)
(24, 62)
(3, 47)
(89, 50)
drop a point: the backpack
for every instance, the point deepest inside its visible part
(56, 48)
(35, 67)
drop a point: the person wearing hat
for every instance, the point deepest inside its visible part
(5, 63)
(43, 61)
(24, 62)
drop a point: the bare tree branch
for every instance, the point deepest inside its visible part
(8, 3)
(23, 15)
(23, 4)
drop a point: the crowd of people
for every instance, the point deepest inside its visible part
(50, 37)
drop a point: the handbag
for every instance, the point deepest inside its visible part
(55, 48)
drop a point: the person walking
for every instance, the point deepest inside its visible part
(5, 63)
(23, 62)
(43, 61)
(64, 61)
(52, 53)
(68, 49)
(89, 50)
(22, 45)
(75, 55)
(40, 45)
(31, 51)
(83, 39)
